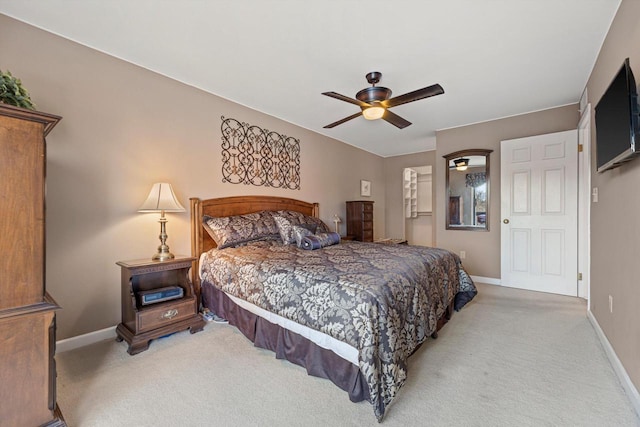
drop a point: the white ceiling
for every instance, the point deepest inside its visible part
(494, 58)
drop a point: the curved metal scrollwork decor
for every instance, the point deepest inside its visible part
(256, 156)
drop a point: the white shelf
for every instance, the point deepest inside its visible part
(410, 184)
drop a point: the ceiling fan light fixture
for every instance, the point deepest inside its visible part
(375, 102)
(373, 113)
(461, 164)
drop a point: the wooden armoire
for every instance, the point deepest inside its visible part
(27, 312)
(360, 220)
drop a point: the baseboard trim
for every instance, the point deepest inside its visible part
(86, 339)
(627, 385)
(487, 280)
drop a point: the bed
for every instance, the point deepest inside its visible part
(351, 312)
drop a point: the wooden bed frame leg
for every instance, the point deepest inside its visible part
(443, 320)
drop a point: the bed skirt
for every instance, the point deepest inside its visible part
(288, 345)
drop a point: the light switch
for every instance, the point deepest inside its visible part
(594, 194)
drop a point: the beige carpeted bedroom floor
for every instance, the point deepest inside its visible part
(510, 358)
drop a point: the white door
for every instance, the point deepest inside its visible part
(539, 209)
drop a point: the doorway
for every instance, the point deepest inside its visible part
(584, 202)
(417, 205)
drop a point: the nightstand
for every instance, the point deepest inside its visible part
(347, 237)
(142, 323)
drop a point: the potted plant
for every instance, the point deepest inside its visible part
(13, 93)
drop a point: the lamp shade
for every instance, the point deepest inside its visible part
(161, 198)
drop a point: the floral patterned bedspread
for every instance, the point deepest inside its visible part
(383, 300)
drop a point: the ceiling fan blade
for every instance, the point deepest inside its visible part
(339, 122)
(426, 92)
(346, 99)
(395, 120)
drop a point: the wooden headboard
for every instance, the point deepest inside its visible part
(227, 206)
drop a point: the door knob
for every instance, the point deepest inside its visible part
(506, 221)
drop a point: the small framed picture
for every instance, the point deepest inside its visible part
(365, 188)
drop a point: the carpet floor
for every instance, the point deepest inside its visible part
(509, 358)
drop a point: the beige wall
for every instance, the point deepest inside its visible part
(615, 236)
(125, 128)
(483, 248)
(393, 167)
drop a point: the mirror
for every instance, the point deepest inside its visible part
(467, 190)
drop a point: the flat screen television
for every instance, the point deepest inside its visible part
(617, 121)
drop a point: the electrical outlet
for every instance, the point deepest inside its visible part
(610, 304)
(463, 254)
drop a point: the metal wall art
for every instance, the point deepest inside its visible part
(256, 156)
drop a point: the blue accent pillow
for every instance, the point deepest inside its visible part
(321, 240)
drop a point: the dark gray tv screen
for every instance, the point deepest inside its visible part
(617, 121)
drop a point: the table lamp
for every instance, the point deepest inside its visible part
(162, 199)
(337, 221)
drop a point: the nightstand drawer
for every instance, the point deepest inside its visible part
(367, 235)
(165, 313)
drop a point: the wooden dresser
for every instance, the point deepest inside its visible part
(27, 312)
(360, 220)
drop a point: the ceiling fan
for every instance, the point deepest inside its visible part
(375, 103)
